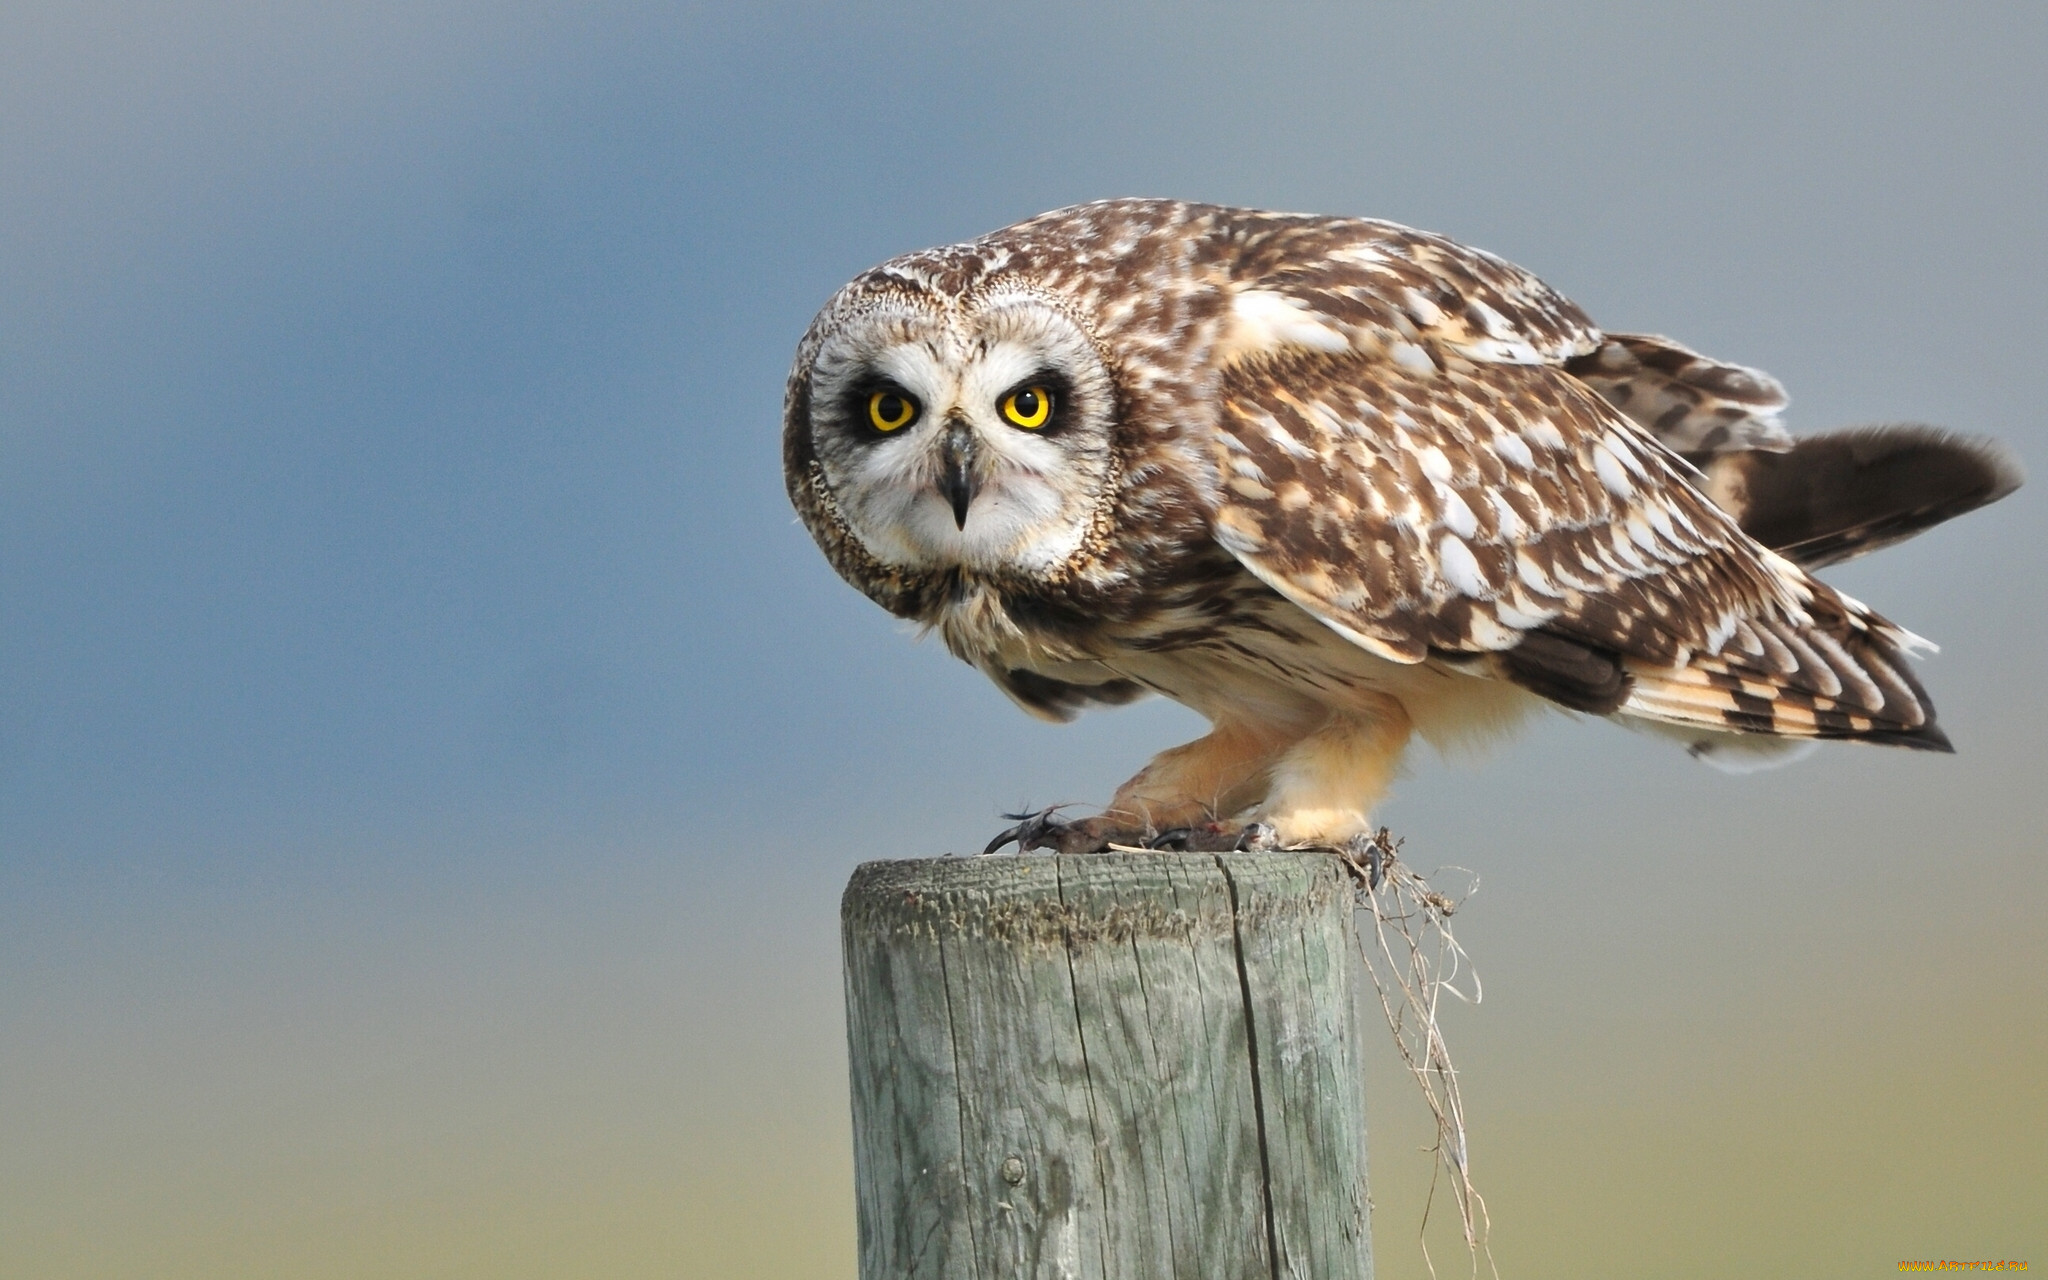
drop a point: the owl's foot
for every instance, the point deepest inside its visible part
(1094, 835)
(1041, 830)
(1218, 837)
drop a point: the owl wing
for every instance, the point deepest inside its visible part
(1380, 285)
(1498, 515)
(1694, 405)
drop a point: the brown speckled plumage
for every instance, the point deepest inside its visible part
(1328, 480)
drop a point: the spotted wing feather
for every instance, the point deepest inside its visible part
(1379, 287)
(1467, 510)
(1694, 405)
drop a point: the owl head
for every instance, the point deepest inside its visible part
(955, 429)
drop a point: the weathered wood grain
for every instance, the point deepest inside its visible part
(1118, 1065)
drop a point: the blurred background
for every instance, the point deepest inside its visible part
(431, 753)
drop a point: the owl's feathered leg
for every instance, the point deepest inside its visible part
(1325, 786)
(1183, 790)
(1219, 774)
(1318, 788)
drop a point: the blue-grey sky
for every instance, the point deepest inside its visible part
(425, 733)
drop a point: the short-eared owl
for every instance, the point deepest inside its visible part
(1333, 482)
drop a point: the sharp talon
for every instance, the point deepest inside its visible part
(1173, 840)
(1018, 833)
(1376, 856)
(1027, 834)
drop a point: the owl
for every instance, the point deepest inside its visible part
(1334, 484)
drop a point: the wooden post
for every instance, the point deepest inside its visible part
(1121, 1065)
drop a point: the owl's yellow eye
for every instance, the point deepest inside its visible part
(1028, 407)
(889, 410)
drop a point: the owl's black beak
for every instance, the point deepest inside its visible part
(956, 470)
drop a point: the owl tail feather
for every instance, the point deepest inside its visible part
(1835, 496)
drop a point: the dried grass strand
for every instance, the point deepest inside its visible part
(1415, 961)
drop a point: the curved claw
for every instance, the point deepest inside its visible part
(1040, 830)
(1215, 838)
(1374, 854)
(1030, 830)
(1258, 837)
